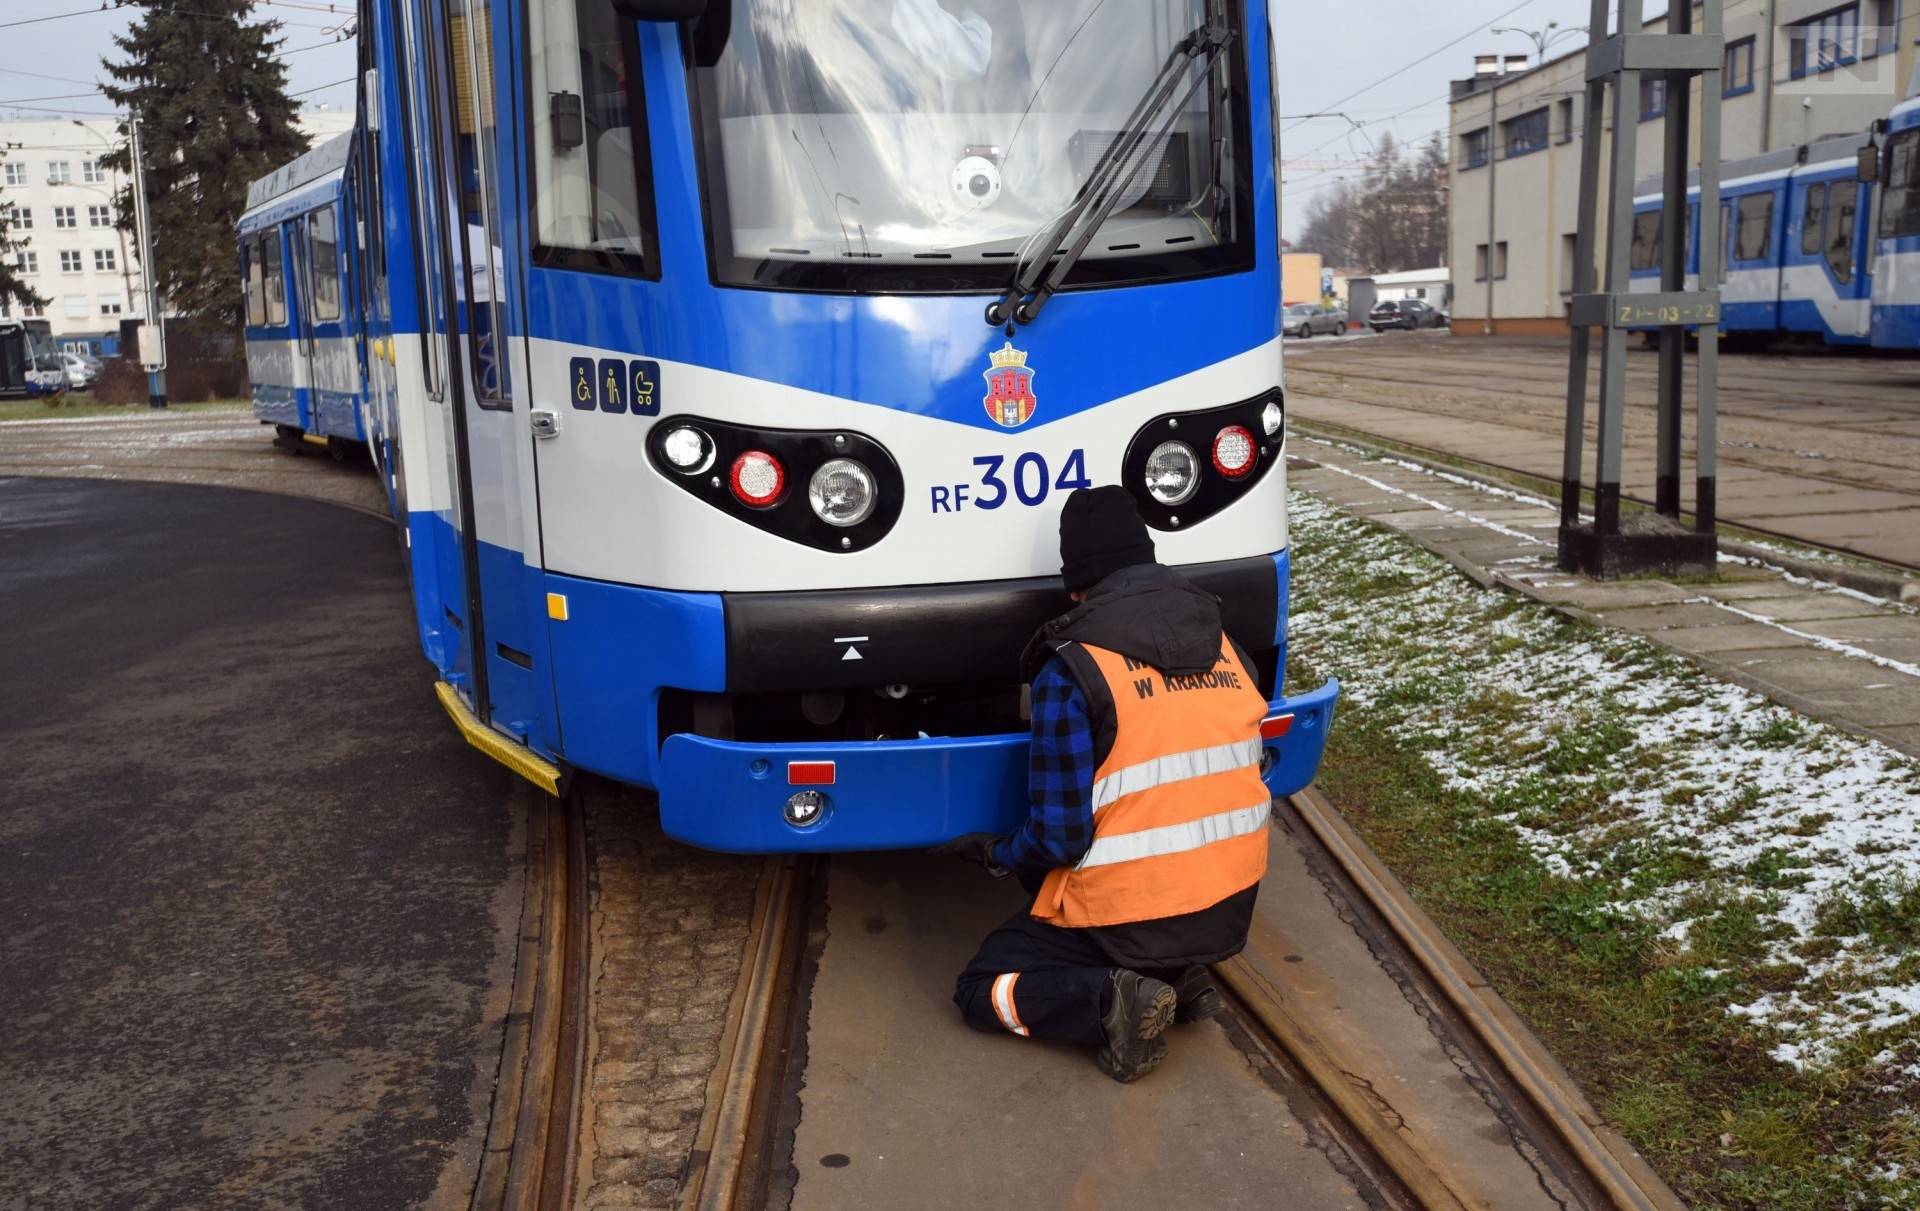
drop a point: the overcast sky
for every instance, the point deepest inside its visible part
(1394, 54)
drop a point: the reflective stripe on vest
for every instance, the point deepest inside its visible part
(1179, 810)
(1175, 767)
(1178, 838)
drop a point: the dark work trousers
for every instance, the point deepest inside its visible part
(1041, 980)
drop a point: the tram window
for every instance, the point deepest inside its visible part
(477, 160)
(593, 183)
(1726, 234)
(1754, 233)
(920, 146)
(323, 253)
(1842, 203)
(276, 278)
(1900, 209)
(256, 283)
(1646, 240)
(1812, 219)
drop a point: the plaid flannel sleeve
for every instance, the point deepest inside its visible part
(1059, 825)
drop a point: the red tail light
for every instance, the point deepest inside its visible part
(758, 479)
(1234, 452)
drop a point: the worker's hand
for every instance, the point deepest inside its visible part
(976, 848)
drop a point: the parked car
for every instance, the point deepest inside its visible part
(1405, 314)
(81, 370)
(1311, 319)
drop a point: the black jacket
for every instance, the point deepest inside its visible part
(1151, 613)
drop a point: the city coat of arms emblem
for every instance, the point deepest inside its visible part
(1009, 399)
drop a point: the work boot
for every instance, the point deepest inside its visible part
(1199, 999)
(1138, 1011)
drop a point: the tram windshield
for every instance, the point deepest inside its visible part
(925, 145)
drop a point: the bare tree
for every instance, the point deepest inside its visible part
(1392, 218)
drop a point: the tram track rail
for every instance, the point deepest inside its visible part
(533, 1152)
(737, 1161)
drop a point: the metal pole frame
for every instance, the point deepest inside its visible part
(1619, 280)
(1583, 281)
(1713, 250)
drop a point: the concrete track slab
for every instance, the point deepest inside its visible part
(903, 1105)
(260, 897)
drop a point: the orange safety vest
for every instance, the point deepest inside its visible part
(1179, 810)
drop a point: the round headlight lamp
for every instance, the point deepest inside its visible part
(842, 492)
(1173, 473)
(688, 450)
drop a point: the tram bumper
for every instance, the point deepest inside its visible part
(901, 794)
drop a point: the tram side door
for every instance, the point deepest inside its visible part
(480, 392)
(300, 312)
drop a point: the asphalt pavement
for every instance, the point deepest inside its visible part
(257, 898)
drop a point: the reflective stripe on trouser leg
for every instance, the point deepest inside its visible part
(1003, 1003)
(1177, 838)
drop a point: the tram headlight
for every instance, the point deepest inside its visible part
(688, 450)
(842, 492)
(1271, 418)
(1173, 472)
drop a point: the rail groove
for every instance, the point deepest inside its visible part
(1604, 1158)
(532, 1151)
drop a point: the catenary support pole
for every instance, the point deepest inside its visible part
(143, 222)
(1713, 250)
(1619, 277)
(1674, 232)
(1583, 282)
(1493, 194)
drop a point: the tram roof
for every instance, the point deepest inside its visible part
(1780, 160)
(327, 157)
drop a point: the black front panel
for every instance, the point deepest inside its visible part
(935, 635)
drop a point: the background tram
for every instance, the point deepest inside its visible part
(1822, 241)
(302, 280)
(713, 473)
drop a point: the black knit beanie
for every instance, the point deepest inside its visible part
(1100, 533)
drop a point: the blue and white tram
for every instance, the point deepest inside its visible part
(1798, 247)
(716, 474)
(1896, 236)
(303, 314)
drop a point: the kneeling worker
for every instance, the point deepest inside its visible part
(1147, 836)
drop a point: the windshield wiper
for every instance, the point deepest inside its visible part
(1036, 281)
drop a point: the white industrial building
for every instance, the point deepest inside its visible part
(60, 204)
(1795, 71)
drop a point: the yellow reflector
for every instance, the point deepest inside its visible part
(557, 606)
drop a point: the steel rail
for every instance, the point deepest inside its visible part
(532, 1152)
(1605, 1159)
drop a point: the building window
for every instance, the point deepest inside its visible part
(92, 173)
(33, 311)
(16, 173)
(27, 261)
(59, 172)
(103, 260)
(1883, 33)
(1480, 261)
(1566, 119)
(111, 305)
(1474, 147)
(1823, 43)
(1653, 98)
(99, 216)
(76, 306)
(19, 218)
(70, 261)
(1569, 256)
(1753, 227)
(1736, 75)
(1526, 133)
(64, 218)
(1500, 261)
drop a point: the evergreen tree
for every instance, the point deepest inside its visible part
(14, 290)
(214, 115)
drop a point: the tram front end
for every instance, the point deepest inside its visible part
(829, 309)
